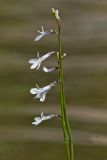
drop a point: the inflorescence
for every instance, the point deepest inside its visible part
(40, 93)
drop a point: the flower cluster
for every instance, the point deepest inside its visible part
(40, 93)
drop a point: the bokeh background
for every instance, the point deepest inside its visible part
(84, 29)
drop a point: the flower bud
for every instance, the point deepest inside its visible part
(56, 14)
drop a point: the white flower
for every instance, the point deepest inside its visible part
(49, 69)
(41, 92)
(43, 33)
(38, 120)
(37, 61)
(56, 13)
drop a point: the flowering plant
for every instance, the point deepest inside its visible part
(42, 92)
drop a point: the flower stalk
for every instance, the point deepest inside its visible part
(65, 123)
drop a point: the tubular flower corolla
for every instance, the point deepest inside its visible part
(38, 120)
(36, 62)
(41, 92)
(49, 69)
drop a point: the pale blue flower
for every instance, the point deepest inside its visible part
(38, 120)
(36, 62)
(43, 33)
(41, 92)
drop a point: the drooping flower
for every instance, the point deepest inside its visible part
(56, 14)
(38, 120)
(49, 69)
(36, 62)
(41, 92)
(43, 33)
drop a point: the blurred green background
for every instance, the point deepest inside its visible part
(84, 29)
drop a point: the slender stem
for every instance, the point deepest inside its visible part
(65, 122)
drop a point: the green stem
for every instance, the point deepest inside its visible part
(65, 122)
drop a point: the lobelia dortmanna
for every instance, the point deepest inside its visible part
(41, 93)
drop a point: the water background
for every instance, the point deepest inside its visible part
(84, 39)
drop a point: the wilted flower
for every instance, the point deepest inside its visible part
(41, 92)
(43, 33)
(56, 13)
(49, 69)
(38, 120)
(37, 62)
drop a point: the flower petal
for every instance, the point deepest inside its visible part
(34, 90)
(39, 63)
(38, 37)
(39, 94)
(43, 98)
(42, 114)
(51, 116)
(46, 89)
(37, 118)
(46, 55)
(42, 29)
(49, 69)
(33, 66)
(37, 122)
(34, 62)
